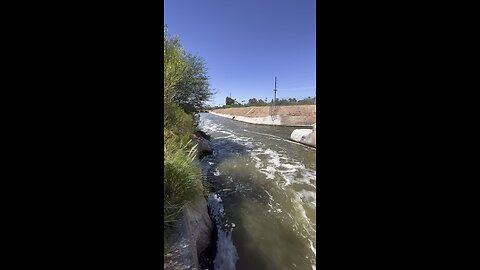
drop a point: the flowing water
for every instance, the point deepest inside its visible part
(263, 196)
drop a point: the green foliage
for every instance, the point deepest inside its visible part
(181, 178)
(193, 90)
(229, 101)
(176, 120)
(186, 88)
(307, 101)
(181, 170)
(174, 65)
(185, 76)
(182, 173)
(279, 102)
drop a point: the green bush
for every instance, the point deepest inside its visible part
(176, 120)
(186, 88)
(181, 178)
(182, 172)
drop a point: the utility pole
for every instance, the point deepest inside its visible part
(275, 92)
(273, 108)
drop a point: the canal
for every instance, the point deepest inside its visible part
(262, 196)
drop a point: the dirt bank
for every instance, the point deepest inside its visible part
(301, 115)
(256, 111)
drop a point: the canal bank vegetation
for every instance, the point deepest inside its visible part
(186, 89)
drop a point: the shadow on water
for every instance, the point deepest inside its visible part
(223, 149)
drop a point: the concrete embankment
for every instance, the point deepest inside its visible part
(301, 115)
(191, 238)
(305, 136)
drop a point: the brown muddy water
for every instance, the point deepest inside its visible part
(263, 196)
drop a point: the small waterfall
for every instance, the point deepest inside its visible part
(226, 254)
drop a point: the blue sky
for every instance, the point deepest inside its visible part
(246, 43)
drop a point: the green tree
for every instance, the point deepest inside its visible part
(307, 101)
(229, 101)
(193, 90)
(174, 65)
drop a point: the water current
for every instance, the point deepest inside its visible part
(263, 196)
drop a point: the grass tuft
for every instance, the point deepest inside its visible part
(182, 173)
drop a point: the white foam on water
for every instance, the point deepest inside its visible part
(309, 198)
(209, 126)
(272, 164)
(310, 174)
(216, 172)
(248, 145)
(216, 208)
(226, 137)
(226, 256)
(274, 157)
(287, 181)
(254, 157)
(246, 139)
(281, 139)
(269, 195)
(312, 248)
(300, 216)
(269, 172)
(270, 169)
(291, 177)
(289, 168)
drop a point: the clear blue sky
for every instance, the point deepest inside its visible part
(246, 43)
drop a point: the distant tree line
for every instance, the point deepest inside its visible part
(231, 102)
